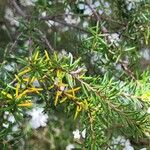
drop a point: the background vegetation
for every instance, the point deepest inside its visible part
(75, 74)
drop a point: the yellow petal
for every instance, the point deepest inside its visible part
(78, 109)
(62, 84)
(17, 78)
(35, 89)
(63, 100)
(30, 90)
(36, 55)
(17, 89)
(24, 71)
(73, 90)
(58, 73)
(49, 88)
(70, 96)
(57, 96)
(146, 96)
(7, 94)
(33, 79)
(46, 55)
(22, 94)
(29, 104)
(26, 79)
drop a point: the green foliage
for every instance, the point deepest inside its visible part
(97, 84)
(102, 103)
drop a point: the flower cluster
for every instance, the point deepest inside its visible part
(38, 118)
(77, 134)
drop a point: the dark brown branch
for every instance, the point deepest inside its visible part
(63, 23)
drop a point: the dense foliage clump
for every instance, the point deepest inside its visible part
(75, 74)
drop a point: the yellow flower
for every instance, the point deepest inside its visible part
(65, 93)
(26, 104)
(30, 90)
(19, 94)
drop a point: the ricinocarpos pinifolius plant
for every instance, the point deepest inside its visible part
(102, 106)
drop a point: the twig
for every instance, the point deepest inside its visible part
(15, 42)
(126, 68)
(42, 137)
(44, 38)
(97, 17)
(22, 13)
(46, 18)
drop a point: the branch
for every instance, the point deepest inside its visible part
(16, 6)
(97, 17)
(23, 14)
(45, 40)
(46, 18)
